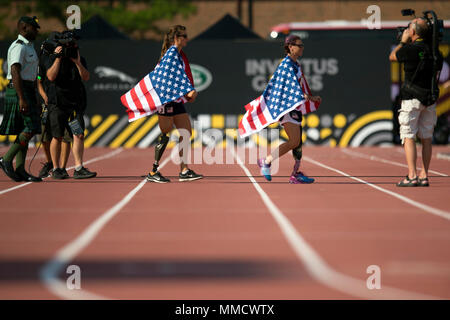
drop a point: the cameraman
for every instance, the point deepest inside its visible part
(47, 96)
(67, 70)
(417, 114)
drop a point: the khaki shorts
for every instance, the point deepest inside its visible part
(416, 119)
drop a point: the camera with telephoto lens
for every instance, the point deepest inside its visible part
(67, 40)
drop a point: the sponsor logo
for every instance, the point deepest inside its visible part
(202, 77)
(3, 73)
(127, 82)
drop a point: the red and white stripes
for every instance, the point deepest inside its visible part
(142, 100)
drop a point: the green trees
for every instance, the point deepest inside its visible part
(133, 17)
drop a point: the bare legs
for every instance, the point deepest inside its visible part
(293, 132)
(181, 121)
(411, 157)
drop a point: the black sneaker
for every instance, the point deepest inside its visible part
(25, 176)
(45, 171)
(84, 173)
(8, 168)
(190, 175)
(58, 174)
(157, 177)
(64, 171)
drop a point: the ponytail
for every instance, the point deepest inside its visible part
(169, 38)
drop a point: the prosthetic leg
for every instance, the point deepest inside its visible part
(296, 175)
(154, 175)
(297, 153)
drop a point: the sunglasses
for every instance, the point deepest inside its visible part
(298, 45)
(183, 35)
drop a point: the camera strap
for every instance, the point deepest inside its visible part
(425, 96)
(419, 66)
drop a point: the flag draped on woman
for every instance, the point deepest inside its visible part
(285, 92)
(168, 82)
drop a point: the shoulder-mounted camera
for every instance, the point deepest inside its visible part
(435, 30)
(434, 34)
(66, 39)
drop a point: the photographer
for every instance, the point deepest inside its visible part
(67, 69)
(417, 115)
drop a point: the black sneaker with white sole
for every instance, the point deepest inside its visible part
(83, 173)
(157, 177)
(189, 175)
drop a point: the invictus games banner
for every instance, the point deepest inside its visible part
(353, 77)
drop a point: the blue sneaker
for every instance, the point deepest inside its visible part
(299, 177)
(265, 169)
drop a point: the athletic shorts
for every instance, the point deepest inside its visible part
(172, 109)
(47, 135)
(416, 119)
(59, 120)
(294, 117)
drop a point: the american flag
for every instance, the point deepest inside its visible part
(168, 82)
(284, 93)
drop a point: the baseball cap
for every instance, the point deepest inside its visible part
(30, 20)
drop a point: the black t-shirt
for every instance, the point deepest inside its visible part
(49, 86)
(68, 86)
(411, 55)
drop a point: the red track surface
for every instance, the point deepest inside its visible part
(216, 239)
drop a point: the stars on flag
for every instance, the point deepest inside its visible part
(282, 92)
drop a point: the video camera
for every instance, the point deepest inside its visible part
(432, 38)
(435, 26)
(66, 39)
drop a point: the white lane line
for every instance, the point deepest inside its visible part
(106, 156)
(15, 187)
(443, 156)
(375, 158)
(316, 266)
(50, 271)
(424, 207)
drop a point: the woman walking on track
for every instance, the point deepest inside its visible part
(285, 99)
(165, 90)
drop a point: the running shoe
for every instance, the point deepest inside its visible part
(157, 177)
(83, 173)
(64, 171)
(300, 177)
(45, 171)
(265, 169)
(189, 175)
(58, 174)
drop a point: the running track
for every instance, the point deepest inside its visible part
(231, 235)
